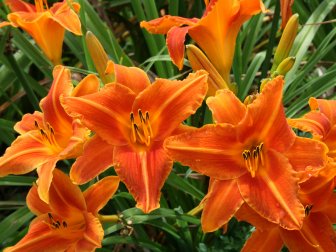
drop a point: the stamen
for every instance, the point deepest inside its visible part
(142, 132)
(253, 158)
(308, 208)
(36, 124)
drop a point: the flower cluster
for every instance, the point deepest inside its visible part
(260, 170)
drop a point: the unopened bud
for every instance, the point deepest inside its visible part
(286, 41)
(98, 56)
(284, 67)
(198, 61)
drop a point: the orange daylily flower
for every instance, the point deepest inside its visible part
(46, 25)
(253, 156)
(321, 122)
(215, 32)
(317, 233)
(69, 222)
(131, 119)
(49, 136)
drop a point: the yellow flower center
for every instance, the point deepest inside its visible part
(253, 158)
(48, 136)
(141, 132)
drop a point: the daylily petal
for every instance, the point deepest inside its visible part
(221, 203)
(65, 198)
(307, 157)
(246, 213)
(266, 121)
(328, 208)
(53, 111)
(143, 173)
(40, 235)
(18, 5)
(216, 32)
(97, 195)
(170, 102)
(326, 107)
(89, 85)
(272, 193)
(86, 166)
(74, 147)
(131, 77)
(311, 190)
(264, 241)
(314, 122)
(45, 173)
(106, 112)
(66, 17)
(27, 122)
(47, 33)
(164, 24)
(35, 204)
(317, 234)
(26, 153)
(5, 23)
(93, 235)
(175, 44)
(226, 107)
(212, 150)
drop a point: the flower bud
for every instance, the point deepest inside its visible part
(284, 67)
(98, 56)
(286, 41)
(198, 61)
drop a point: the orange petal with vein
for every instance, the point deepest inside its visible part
(40, 236)
(226, 107)
(97, 195)
(35, 204)
(131, 77)
(264, 241)
(317, 234)
(47, 33)
(86, 166)
(93, 235)
(18, 5)
(144, 173)
(272, 193)
(65, 197)
(106, 112)
(25, 154)
(170, 102)
(66, 16)
(266, 119)
(164, 24)
(221, 203)
(175, 44)
(307, 157)
(212, 150)
(27, 122)
(53, 111)
(89, 85)
(45, 174)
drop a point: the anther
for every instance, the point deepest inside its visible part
(64, 224)
(36, 124)
(308, 208)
